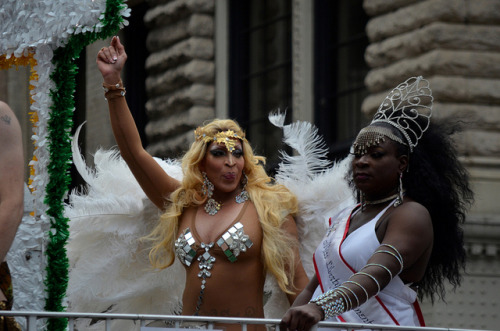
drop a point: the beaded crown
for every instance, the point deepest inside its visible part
(223, 137)
(408, 108)
(372, 136)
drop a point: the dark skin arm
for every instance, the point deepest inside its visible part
(409, 228)
(153, 180)
(302, 315)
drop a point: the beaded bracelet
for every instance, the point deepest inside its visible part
(112, 91)
(331, 303)
(345, 296)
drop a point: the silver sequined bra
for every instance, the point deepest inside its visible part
(232, 242)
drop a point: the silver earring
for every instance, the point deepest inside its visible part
(361, 196)
(211, 206)
(243, 195)
(399, 199)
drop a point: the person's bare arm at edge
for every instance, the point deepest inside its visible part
(155, 182)
(11, 178)
(300, 279)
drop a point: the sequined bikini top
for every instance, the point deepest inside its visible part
(232, 242)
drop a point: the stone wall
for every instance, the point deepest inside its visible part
(98, 132)
(455, 44)
(181, 72)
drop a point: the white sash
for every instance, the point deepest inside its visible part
(332, 270)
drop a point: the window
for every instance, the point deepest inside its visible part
(260, 70)
(340, 69)
(135, 35)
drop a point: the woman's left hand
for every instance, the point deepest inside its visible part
(110, 61)
(301, 318)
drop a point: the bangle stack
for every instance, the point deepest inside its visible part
(331, 303)
(112, 91)
(338, 300)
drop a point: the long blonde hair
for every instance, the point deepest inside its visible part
(273, 202)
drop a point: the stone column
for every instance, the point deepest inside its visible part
(181, 72)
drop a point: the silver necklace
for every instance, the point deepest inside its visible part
(376, 202)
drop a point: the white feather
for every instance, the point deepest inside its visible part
(322, 189)
(109, 265)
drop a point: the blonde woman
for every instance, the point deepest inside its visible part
(224, 221)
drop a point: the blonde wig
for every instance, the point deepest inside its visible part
(274, 204)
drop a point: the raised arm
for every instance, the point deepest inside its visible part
(154, 181)
(11, 178)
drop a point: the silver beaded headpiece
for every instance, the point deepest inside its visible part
(408, 108)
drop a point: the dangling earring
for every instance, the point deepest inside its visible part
(361, 198)
(399, 199)
(211, 206)
(243, 195)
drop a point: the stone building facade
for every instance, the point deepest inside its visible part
(192, 59)
(453, 43)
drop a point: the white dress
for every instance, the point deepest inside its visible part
(338, 257)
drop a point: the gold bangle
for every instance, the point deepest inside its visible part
(112, 91)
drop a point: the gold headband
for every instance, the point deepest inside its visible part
(372, 135)
(224, 137)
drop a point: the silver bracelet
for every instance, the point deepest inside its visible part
(360, 286)
(395, 256)
(381, 266)
(355, 296)
(331, 303)
(371, 276)
(345, 296)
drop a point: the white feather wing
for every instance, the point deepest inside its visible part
(109, 265)
(321, 188)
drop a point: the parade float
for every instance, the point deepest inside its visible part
(48, 36)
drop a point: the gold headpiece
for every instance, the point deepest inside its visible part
(224, 137)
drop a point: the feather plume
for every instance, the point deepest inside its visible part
(321, 187)
(109, 265)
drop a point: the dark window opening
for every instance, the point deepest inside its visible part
(260, 70)
(340, 69)
(135, 35)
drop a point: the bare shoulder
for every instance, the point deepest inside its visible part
(7, 117)
(411, 217)
(10, 131)
(4, 108)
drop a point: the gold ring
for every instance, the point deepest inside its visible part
(102, 49)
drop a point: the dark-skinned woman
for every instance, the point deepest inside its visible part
(403, 239)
